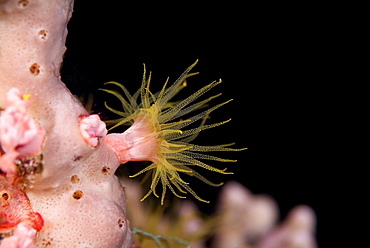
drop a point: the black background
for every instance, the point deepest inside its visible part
(272, 60)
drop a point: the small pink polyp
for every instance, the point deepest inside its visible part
(92, 128)
(23, 237)
(20, 136)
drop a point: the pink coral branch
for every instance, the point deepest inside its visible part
(296, 231)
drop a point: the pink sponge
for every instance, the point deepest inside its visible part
(76, 192)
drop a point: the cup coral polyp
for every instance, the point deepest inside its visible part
(156, 134)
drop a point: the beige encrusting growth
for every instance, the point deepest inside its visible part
(82, 205)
